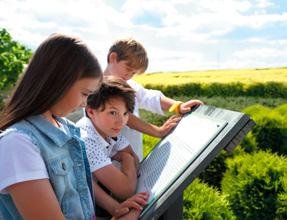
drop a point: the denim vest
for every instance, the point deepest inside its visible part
(67, 165)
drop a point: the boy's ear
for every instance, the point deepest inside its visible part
(90, 112)
(113, 57)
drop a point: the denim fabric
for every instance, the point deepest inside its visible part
(66, 161)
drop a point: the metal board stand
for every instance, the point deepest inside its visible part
(170, 204)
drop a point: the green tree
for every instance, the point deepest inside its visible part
(13, 57)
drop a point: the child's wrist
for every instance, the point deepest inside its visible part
(175, 107)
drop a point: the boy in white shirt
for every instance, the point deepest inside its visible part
(107, 113)
(126, 58)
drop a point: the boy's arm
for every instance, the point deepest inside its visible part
(104, 200)
(138, 124)
(122, 183)
(185, 107)
(130, 151)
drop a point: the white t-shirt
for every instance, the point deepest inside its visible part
(99, 151)
(20, 160)
(147, 99)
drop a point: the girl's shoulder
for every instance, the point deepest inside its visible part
(18, 129)
(14, 137)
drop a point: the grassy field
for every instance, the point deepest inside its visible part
(245, 76)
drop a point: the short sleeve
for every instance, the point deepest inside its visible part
(20, 160)
(96, 155)
(148, 99)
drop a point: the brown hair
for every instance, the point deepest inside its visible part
(112, 87)
(131, 51)
(55, 66)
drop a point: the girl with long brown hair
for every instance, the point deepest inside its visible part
(44, 172)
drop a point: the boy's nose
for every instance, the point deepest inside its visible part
(120, 121)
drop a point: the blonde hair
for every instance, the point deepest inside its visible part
(131, 51)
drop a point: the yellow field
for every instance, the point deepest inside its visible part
(246, 76)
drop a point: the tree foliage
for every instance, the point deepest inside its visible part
(13, 57)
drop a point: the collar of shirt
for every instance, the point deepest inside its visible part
(92, 133)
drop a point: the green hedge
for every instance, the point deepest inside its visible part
(213, 174)
(256, 185)
(282, 110)
(267, 90)
(148, 143)
(203, 202)
(256, 110)
(270, 131)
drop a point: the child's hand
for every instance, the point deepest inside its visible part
(168, 125)
(119, 156)
(187, 106)
(134, 204)
(122, 155)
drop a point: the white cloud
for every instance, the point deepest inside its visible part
(189, 34)
(261, 53)
(174, 60)
(264, 3)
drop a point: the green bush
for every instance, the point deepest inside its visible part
(203, 202)
(190, 89)
(270, 89)
(256, 110)
(148, 143)
(256, 185)
(224, 90)
(249, 143)
(266, 90)
(153, 118)
(282, 110)
(213, 174)
(270, 131)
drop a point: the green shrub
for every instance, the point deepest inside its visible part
(148, 143)
(194, 89)
(270, 131)
(224, 90)
(282, 110)
(249, 143)
(153, 118)
(204, 202)
(214, 172)
(256, 185)
(266, 90)
(256, 110)
(270, 89)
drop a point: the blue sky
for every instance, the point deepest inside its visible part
(179, 35)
